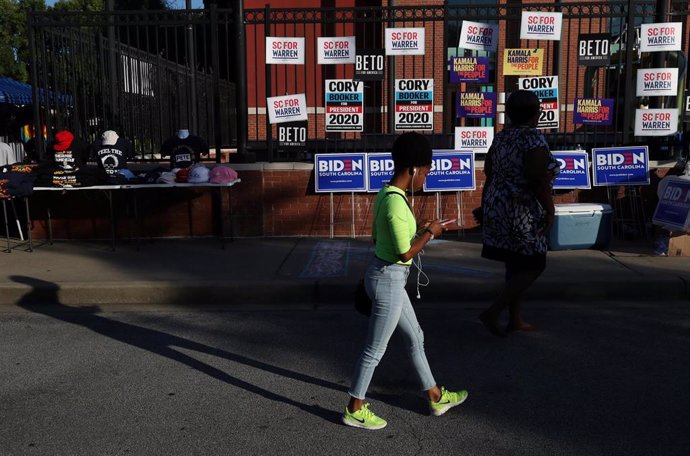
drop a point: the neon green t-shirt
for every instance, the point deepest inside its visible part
(394, 225)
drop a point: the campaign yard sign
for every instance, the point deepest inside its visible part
(468, 69)
(340, 173)
(414, 104)
(673, 208)
(546, 88)
(620, 166)
(288, 108)
(593, 111)
(292, 134)
(344, 105)
(574, 172)
(380, 168)
(478, 36)
(663, 36)
(476, 105)
(369, 65)
(656, 122)
(593, 49)
(476, 139)
(451, 170)
(405, 41)
(336, 50)
(657, 82)
(523, 62)
(537, 25)
(285, 50)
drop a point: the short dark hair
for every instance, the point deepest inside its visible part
(522, 106)
(411, 149)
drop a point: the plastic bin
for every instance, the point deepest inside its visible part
(581, 226)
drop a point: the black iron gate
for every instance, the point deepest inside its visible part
(144, 74)
(149, 73)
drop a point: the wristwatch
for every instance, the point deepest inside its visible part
(430, 232)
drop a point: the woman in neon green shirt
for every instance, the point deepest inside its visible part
(397, 241)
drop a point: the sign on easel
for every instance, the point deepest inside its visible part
(380, 168)
(335, 173)
(673, 209)
(620, 166)
(574, 171)
(451, 170)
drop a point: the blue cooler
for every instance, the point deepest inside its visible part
(581, 226)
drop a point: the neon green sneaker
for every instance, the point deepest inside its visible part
(363, 418)
(448, 400)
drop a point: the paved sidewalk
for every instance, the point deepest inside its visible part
(317, 272)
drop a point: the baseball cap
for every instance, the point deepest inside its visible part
(63, 139)
(182, 176)
(166, 178)
(198, 174)
(222, 175)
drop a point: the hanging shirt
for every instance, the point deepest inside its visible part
(112, 158)
(184, 152)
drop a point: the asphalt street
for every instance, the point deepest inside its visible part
(598, 378)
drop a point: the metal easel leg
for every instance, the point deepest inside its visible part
(28, 224)
(7, 225)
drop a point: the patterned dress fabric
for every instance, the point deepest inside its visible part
(512, 215)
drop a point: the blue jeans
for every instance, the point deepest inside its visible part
(391, 308)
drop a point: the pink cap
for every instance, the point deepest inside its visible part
(222, 175)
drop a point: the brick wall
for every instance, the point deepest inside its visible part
(272, 200)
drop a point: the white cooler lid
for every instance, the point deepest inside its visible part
(581, 208)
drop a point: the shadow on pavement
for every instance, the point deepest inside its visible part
(164, 344)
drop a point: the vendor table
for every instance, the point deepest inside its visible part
(16, 219)
(135, 188)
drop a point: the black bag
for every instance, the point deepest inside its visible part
(362, 301)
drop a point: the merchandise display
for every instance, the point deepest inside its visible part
(112, 152)
(66, 151)
(184, 149)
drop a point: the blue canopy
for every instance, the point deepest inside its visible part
(19, 93)
(14, 92)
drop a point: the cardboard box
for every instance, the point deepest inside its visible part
(679, 245)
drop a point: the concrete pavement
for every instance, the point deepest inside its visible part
(318, 273)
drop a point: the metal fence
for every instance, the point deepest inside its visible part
(443, 23)
(145, 74)
(150, 73)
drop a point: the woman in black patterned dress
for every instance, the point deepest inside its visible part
(517, 206)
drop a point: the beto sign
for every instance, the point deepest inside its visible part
(369, 64)
(593, 49)
(292, 134)
(620, 166)
(340, 173)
